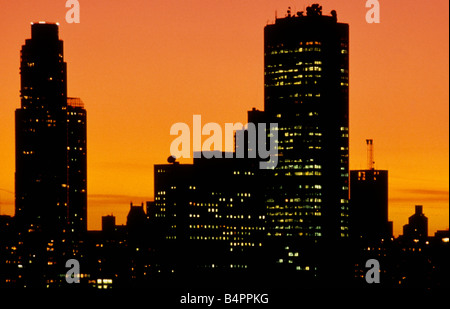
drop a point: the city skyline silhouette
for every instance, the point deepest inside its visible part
(418, 141)
(220, 217)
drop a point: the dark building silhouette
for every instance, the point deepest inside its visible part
(136, 215)
(136, 220)
(417, 227)
(370, 230)
(77, 166)
(8, 269)
(108, 224)
(369, 205)
(207, 220)
(442, 235)
(50, 179)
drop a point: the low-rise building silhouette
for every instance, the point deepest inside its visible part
(417, 227)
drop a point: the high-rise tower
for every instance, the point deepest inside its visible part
(306, 68)
(306, 93)
(50, 177)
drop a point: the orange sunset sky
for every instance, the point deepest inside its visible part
(142, 65)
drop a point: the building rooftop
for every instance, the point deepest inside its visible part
(44, 30)
(75, 102)
(312, 12)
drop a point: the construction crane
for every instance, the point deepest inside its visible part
(370, 160)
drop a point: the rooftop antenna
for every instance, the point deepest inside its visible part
(370, 160)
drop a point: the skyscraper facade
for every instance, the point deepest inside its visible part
(50, 179)
(306, 77)
(77, 166)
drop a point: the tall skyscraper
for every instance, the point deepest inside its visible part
(50, 177)
(306, 77)
(304, 200)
